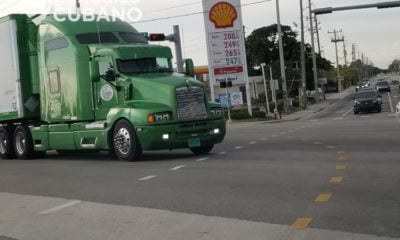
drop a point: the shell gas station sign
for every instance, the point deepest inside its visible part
(225, 40)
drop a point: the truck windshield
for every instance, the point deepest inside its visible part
(144, 65)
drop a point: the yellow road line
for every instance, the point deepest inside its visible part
(343, 158)
(325, 197)
(301, 223)
(336, 179)
(341, 167)
(341, 153)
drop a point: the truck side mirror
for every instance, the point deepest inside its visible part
(189, 67)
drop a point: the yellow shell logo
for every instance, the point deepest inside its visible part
(223, 15)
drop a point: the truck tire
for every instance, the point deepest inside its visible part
(125, 143)
(203, 150)
(6, 142)
(23, 143)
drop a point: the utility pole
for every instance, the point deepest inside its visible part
(344, 52)
(78, 7)
(303, 57)
(282, 60)
(317, 31)
(335, 40)
(263, 66)
(314, 57)
(178, 49)
(353, 52)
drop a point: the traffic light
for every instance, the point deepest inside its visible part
(157, 37)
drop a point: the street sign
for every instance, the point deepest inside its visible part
(225, 40)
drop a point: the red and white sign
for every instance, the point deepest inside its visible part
(225, 40)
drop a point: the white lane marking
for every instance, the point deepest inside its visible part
(368, 116)
(347, 112)
(201, 159)
(58, 208)
(331, 147)
(264, 139)
(251, 143)
(274, 135)
(222, 153)
(239, 147)
(317, 143)
(391, 103)
(314, 120)
(177, 168)
(147, 178)
(339, 118)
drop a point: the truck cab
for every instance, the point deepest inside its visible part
(102, 86)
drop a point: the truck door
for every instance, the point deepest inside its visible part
(106, 96)
(54, 95)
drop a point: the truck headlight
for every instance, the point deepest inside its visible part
(216, 111)
(159, 117)
(215, 131)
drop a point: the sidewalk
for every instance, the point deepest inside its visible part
(331, 98)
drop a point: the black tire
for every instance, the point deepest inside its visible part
(379, 110)
(355, 112)
(203, 150)
(23, 143)
(6, 142)
(125, 143)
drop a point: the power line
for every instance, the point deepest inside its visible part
(195, 13)
(173, 7)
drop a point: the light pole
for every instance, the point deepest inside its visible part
(314, 57)
(263, 65)
(273, 88)
(282, 59)
(303, 58)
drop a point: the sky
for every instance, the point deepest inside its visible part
(374, 32)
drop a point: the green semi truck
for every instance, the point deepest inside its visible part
(78, 85)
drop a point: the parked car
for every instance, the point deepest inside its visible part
(383, 86)
(367, 100)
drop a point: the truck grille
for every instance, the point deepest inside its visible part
(191, 105)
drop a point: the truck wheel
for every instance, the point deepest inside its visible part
(23, 144)
(6, 143)
(126, 145)
(201, 150)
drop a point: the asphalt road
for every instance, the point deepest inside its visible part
(336, 171)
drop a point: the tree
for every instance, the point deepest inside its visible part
(262, 47)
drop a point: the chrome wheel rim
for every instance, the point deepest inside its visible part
(20, 143)
(3, 143)
(122, 141)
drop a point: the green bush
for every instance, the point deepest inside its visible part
(258, 114)
(395, 82)
(240, 115)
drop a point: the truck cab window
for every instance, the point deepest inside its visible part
(133, 38)
(94, 38)
(144, 65)
(107, 71)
